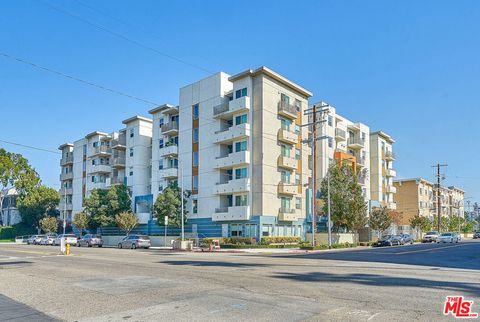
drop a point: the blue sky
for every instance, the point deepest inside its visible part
(409, 68)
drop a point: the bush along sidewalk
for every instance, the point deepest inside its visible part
(248, 242)
(308, 245)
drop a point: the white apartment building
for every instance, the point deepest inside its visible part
(382, 172)
(234, 141)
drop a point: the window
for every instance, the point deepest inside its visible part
(285, 124)
(250, 230)
(285, 150)
(160, 165)
(161, 121)
(236, 230)
(241, 200)
(132, 132)
(330, 142)
(241, 173)
(297, 129)
(195, 135)
(298, 154)
(241, 146)
(298, 203)
(241, 92)
(160, 143)
(285, 100)
(298, 105)
(95, 144)
(298, 179)
(94, 162)
(330, 120)
(194, 182)
(131, 152)
(285, 176)
(94, 179)
(195, 158)
(240, 119)
(131, 173)
(195, 111)
(194, 206)
(160, 188)
(285, 202)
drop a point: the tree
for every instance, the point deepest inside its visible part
(103, 205)
(49, 224)
(81, 221)
(347, 206)
(38, 203)
(168, 204)
(126, 221)
(17, 173)
(379, 219)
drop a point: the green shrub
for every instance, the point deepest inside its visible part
(279, 240)
(237, 241)
(10, 232)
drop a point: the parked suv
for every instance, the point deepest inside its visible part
(476, 235)
(430, 237)
(135, 241)
(406, 239)
(90, 240)
(48, 240)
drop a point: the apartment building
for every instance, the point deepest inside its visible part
(344, 142)
(451, 201)
(414, 197)
(382, 172)
(235, 142)
(9, 211)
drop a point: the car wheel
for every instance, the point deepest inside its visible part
(89, 245)
(390, 244)
(99, 246)
(120, 246)
(134, 246)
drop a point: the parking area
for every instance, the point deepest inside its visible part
(375, 284)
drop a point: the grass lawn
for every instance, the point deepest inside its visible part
(7, 240)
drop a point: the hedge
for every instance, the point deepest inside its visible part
(308, 246)
(279, 240)
(10, 232)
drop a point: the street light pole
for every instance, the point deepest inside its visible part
(64, 207)
(181, 192)
(329, 223)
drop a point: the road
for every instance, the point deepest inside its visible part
(383, 284)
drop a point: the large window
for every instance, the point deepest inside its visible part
(285, 175)
(240, 119)
(195, 158)
(195, 111)
(286, 124)
(241, 200)
(194, 182)
(241, 173)
(195, 135)
(241, 146)
(286, 150)
(250, 230)
(285, 202)
(236, 230)
(241, 92)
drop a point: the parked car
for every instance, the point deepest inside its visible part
(476, 235)
(35, 239)
(135, 241)
(430, 237)
(90, 240)
(388, 240)
(459, 237)
(447, 238)
(69, 239)
(406, 239)
(48, 240)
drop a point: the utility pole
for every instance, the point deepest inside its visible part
(439, 202)
(181, 193)
(313, 111)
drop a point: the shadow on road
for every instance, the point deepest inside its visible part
(381, 280)
(213, 264)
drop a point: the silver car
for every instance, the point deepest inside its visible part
(447, 238)
(48, 240)
(69, 239)
(90, 240)
(35, 239)
(135, 241)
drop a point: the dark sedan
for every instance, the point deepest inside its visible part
(476, 235)
(388, 240)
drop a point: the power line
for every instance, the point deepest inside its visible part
(125, 38)
(30, 147)
(56, 72)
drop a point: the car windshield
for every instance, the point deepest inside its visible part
(447, 234)
(432, 233)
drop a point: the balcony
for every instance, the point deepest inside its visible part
(231, 213)
(120, 143)
(98, 185)
(287, 136)
(168, 173)
(66, 176)
(232, 186)
(390, 173)
(170, 128)
(168, 151)
(389, 156)
(65, 191)
(287, 189)
(227, 109)
(287, 214)
(287, 162)
(62, 206)
(101, 150)
(233, 159)
(101, 168)
(287, 110)
(118, 162)
(340, 135)
(356, 143)
(117, 180)
(361, 161)
(66, 161)
(236, 132)
(390, 189)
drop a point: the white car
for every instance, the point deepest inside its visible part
(48, 240)
(447, 238)
(35, 239)
(69, 239)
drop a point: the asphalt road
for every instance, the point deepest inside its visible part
(404, 283)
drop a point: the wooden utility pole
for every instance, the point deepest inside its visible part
(439, 202)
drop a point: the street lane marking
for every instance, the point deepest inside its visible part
(429, 249)
(29, 252)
